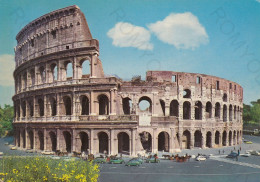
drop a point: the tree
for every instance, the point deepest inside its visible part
(247, 113)
(6, 119)
(255, 111)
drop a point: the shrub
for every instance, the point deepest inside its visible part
(18, 169)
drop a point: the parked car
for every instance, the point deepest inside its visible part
(152, 160)
(247, 154)
(232, 155)
(255, 152)
(100, 160)
(201, 158)
(116, 161)
(133, 162)
(247, 142)
(139, 160)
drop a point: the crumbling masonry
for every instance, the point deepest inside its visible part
(89, 111)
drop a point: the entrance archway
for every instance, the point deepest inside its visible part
(186, 139)
(67, 138)
(198, 139)
(230, 137)
(146, 140)
(31, 139)
(41, 140)
(84, 141)
(217, 135)
(224, 138)
(209, 139)
(163, 141)
(54, 141)
(103, 105)
(123, 143)
(103, 142)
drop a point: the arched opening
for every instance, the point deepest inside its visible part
(209, 139)
(198, 139)
(41, 107)
(23, 138)
(186, 140)
(146, 140)
(186, 93)
(186, 110)
(235, 112)
(54, 141)
(69, 71)
(163, 141)
(162, 106)
(24, 108)
(67, 138)
(198, 110)
(217, 110)
(224, 97)
(224, 138)
(84, 141)
(217, 136)
(67, 105)
(32, 75)
(84, 105)
(85, 66)
(41, 140)
(30, 135)
(238, 136)
(24, 80)
(123, 143)
(230, 112)
(174, 108)
(42, 74)
(224, 113)
(127, 105)
(230, 137)
(103, 105)
(53, 106)
(234, 137)
(145, 104)
(208, 110)
(31, 108)
(103, 142)
(54, 72)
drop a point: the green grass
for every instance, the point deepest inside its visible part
(13, 168)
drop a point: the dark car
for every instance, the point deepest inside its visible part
(232, 155)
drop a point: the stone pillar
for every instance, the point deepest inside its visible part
(58, 138)
(92, 109)
(73, 140)
(73, 104)
(204, 139)
(112, 98)
(180, 111)
(133, 143)
(172, 136)
(34, 139)
(192, 138)
(112, 149)
(192, 110)
(45, 105)
(155, 141)
(93, 63)
(167, 110)
(92, 151)
(26, 139)
(213, 139)
(45, 139)
(74, 67)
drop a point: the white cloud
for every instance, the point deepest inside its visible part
(7, 66)
(183, 30)
(128, 35)
(258, 1)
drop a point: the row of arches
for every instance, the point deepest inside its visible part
(51, 73)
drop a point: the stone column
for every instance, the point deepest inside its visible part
(155, 141)
(34, 139)
(180, 111)
(172, 136)
(133, 143)
(92, 151)
(112, 148)
(45, 139)
(73, 140)
(112, 95)
(192, 110)
(204, 139)
(26, 139)
(74, 67)
(58, 138)
(93, 63)
(92, 109)
(213, 139)
(192, 138)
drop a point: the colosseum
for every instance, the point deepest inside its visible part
(64, 101)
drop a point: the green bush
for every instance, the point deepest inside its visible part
(18, 169)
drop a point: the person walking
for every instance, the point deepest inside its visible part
(219, 152)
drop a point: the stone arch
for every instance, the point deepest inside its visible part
(31, 108)
(186, 110)
(123, 143)
(84, 105)
(174, 108)
(40, 145)
(230, 112)
(163, 141)
(127, 105)
(217, 110)
(224, 113)
(209, 139)
(198, 110)
(53, 138)
(230, 138)
(32, 77)
(25, 80)
(146, 141)
(103, 104)
(23, 139)
(224, 97)
(186, 93)
(42, 74)
(41, 107)
(198, 139)
(235, 112)
(85, 70)
(23, 108)
(238, 136)
(103, 142)
(208, 110)
(224, 138)
(162, 103)
(31, 139)
(67, 139)
(54, 72)
(147, 99)
(186, 137)
(217, 138)
(68, 70)
(234, 137)
(84, 141)
(53, 104)
(67, 105)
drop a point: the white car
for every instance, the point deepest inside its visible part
(201, 158)
(247, 154)
(255, 152)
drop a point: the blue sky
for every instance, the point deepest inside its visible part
(218, 38)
